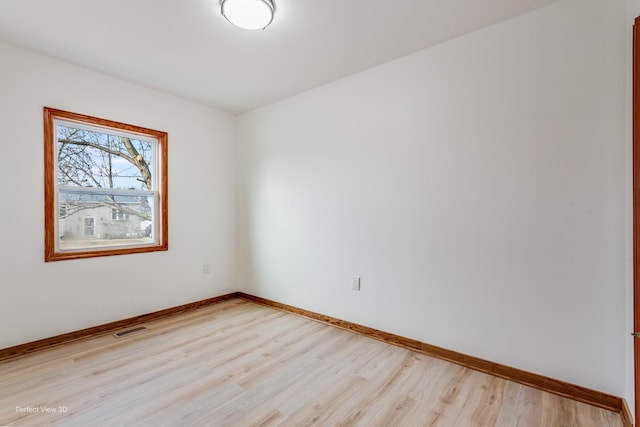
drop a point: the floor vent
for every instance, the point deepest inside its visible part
(126, 332)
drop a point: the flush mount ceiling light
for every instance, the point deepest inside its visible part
(248, 14)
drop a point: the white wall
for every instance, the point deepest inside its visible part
(479, 188)
(44, 299)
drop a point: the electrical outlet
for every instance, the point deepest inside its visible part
(205, 269)
(355, 284)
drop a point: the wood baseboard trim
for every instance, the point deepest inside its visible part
(627, 419)
(107, 328)
(561, 388)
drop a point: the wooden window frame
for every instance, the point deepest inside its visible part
(51, 209)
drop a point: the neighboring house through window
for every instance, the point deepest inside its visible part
(105, 187)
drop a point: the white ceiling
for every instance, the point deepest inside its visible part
(187, 48)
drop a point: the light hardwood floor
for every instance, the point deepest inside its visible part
(242, 364)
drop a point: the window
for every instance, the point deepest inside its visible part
(119, 215)
(89, 226)
(105, 187)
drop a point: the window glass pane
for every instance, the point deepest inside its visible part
(104, 220)
(89, 158)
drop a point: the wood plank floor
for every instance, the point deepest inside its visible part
(241, 364)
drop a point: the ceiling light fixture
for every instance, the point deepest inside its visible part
(248, 14)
